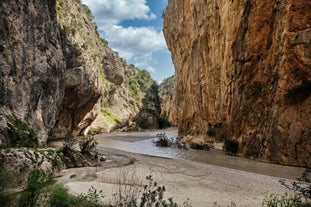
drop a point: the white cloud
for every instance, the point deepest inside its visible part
(135, 44)
(111, 12)
(133, 41)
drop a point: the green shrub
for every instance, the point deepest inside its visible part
(231, 146)
(37, 181)
(88, 145)
(163, 140)
(153, 195)
(163, 122)
(300, 198)
(60, 197)
(286, 200)
(6, 180)
(21, 134)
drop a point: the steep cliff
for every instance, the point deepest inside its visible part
(49, 69)
(129, 97)
(243, 72)
(166, 91)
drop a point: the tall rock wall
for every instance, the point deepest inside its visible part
(49, 75)
(243, 72)
(166, 92)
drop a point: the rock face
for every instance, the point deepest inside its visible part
(49, 71)
(166, 91)
(243, 72)
(129, 98)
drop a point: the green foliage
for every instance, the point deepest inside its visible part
(6, 180)
(68, 146)
(59, 8)
(163, 122)
(21, 134)
(163, 140)
(93, 196)
(231, 146)
(153, 195)
(36, 182)
(88, 145)
(88, 11)
(110, 116)
(60, 197)
(300, 198)
(286, 200)
(139, 83)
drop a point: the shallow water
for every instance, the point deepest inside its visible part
(142, 143)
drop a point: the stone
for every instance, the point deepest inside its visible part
(48, 78)
(243, 72)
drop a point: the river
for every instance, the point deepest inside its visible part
(143, 143)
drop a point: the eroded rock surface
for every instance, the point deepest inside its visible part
(49, 71)
(243, 72)
(166, 91)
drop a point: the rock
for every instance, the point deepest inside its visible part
(21, 162)
(49, 75)
(166, 91)
(243, 72)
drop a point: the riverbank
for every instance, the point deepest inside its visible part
(203, 184)
(205, 177)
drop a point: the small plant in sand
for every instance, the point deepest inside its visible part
(130, 192)
(164, 141)
(128, 188)
(300, 198)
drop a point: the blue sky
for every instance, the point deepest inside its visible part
(133, 28)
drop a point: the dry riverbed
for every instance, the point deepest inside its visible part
(203, 184)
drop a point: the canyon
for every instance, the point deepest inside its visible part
(243, 73)
(68, 102)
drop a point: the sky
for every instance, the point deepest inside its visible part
(133, 28)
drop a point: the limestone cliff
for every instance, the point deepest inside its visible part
(129, 97)
(166, 91)
(243, 72)
(49, 68)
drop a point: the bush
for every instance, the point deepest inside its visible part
(21, 134)
(231, 146)
(6, 180)
(300, 198)
(60, 197)
(88, 145)
(36, 182)
(286, 200)
(153, 195)
(164, 141)
(163, 122)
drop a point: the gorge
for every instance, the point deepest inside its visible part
(242, 74)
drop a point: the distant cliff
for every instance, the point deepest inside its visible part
(57, 74)
(166, 92)
(243, 72)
